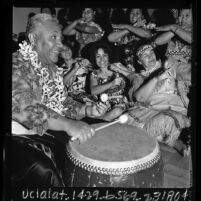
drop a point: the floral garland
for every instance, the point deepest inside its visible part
(53, 91)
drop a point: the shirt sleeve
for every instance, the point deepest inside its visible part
(26, 96)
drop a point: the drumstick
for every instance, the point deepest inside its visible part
(105, 97)
(122, 119)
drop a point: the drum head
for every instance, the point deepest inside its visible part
(116, 143)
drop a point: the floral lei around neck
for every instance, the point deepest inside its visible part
(53, 90)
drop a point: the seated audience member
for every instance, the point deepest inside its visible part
(104, 80)
(126, 36)
(85, 29)
(178, 36)
(40, 103)
(179, 39)
(75, 76)
(159, 108)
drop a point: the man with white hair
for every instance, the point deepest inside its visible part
(40, 103)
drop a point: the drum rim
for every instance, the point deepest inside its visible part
(114, 168)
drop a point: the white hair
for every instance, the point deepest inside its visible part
(38, 20)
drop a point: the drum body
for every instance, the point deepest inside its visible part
(117, 156)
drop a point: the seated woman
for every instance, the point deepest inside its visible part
(85, 29)
(75, 75)
(104, 80)
(179, 39)
(178, 36)
(127, 35)
(159, 108)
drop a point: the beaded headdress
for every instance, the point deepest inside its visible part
(142, 49)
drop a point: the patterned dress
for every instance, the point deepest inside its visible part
(114, 91)
(181, 53)
(164, 114)
(76, 87)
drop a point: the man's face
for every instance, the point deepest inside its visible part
(48, 43)
(148, 59)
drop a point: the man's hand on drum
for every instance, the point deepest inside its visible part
(80, 130)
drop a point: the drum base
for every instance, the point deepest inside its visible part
(75, 176)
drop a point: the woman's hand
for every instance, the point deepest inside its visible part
(80, 21)
(170, 63)
(75, 67)
(80, 130)
(117, 81)
(119, 68)
(170, 27)
(99, 109)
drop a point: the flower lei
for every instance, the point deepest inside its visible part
(53, 91)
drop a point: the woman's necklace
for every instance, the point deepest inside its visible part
(146, 73)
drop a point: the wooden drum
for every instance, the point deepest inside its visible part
(117, 156)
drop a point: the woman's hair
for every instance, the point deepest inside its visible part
(94, 48)
(37, 20)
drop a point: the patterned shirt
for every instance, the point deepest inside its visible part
(35, 96)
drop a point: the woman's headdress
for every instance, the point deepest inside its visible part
(142, 49)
